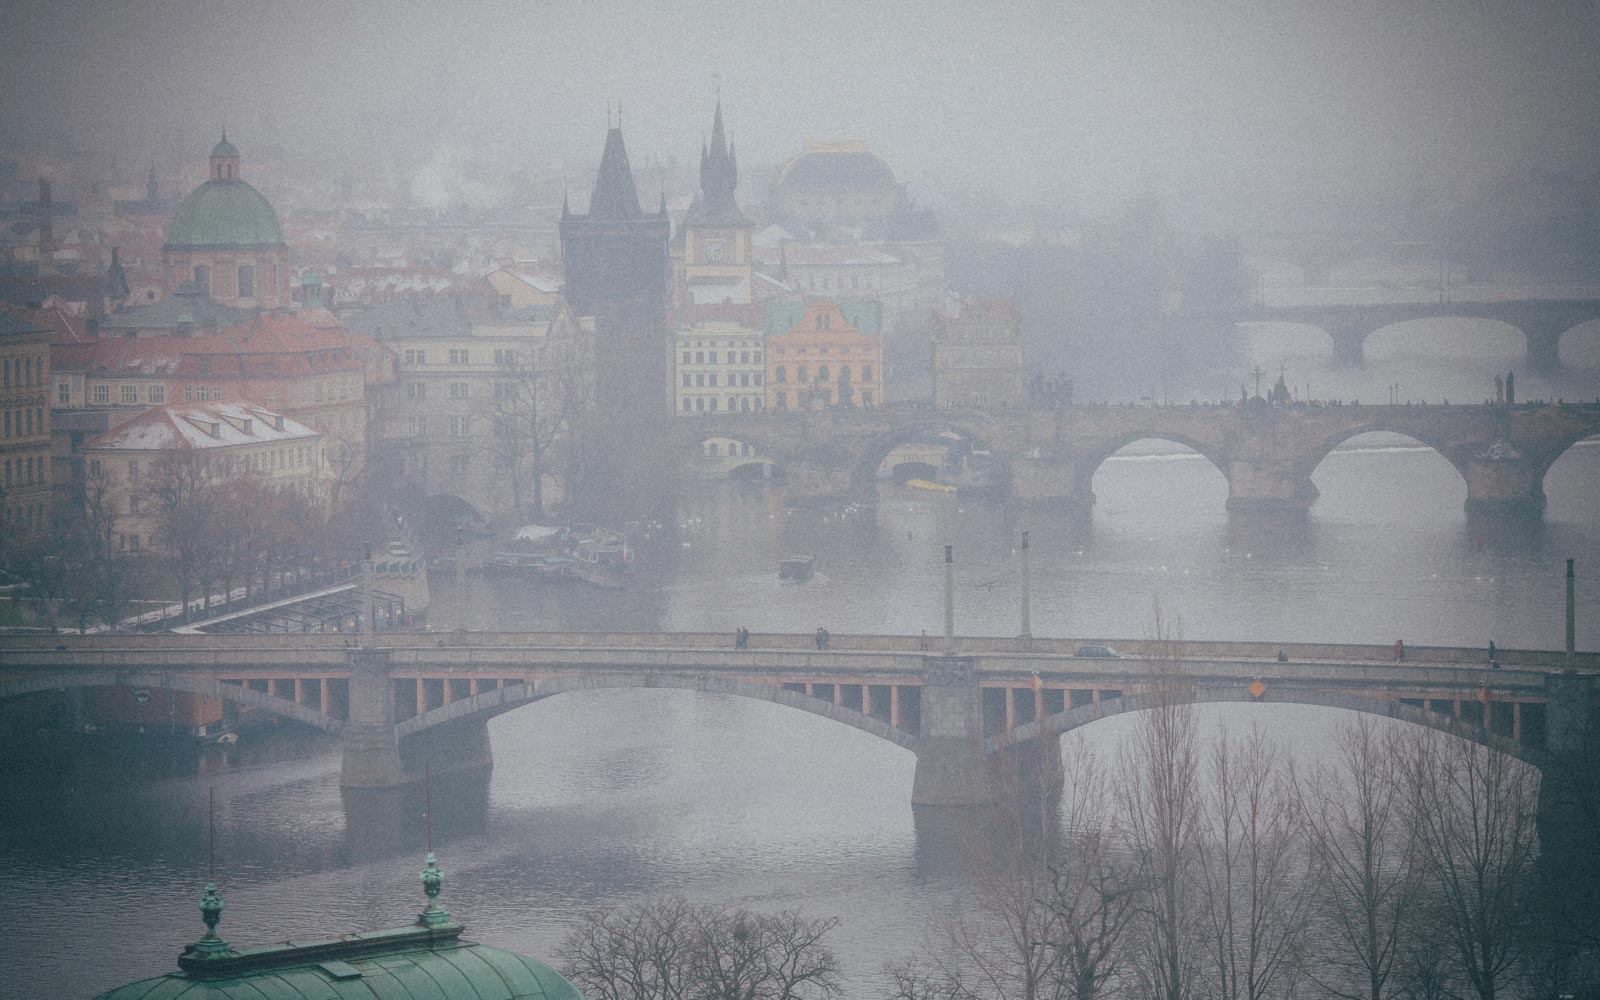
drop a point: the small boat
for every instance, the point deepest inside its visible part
(602, 558)
(529, 566)
(228, 738)
(930, 485)
(796, 568)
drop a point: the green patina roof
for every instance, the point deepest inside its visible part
(425, 960)
(224, 213)
(224, 148)
(865, 315)
(407, 962)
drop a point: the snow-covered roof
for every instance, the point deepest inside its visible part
(202, 425)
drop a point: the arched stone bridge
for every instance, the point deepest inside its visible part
(1266, 453)
(1542, 322)
(419, 698)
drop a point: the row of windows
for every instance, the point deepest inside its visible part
(456, 390)
(459, 426)
(457, 356)
(710, 357)
(201, 393)
(327, 391)
(803, 374)
(246, 287)
(710, 404)
(856, 284)
(703, 379)
(24, 423)
(735, 449)
(801, 352)
(22, 372)
(284, 457)
(24, 471)
(27, 516)
(781, 400)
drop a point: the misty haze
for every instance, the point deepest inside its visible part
(801, 501)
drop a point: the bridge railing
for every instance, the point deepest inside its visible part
(1190, 650)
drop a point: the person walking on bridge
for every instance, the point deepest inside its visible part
(1399, 650)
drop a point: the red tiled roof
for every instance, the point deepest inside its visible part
(267, 346)
(64, 328)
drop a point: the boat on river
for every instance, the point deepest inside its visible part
(796, 568)
(601, 557)
(930, 486)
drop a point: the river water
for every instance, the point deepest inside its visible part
(612, 796)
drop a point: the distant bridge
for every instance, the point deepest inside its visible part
(1266, 453)
(414, 698)
(1542, 322)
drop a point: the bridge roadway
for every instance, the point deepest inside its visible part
(1266, 453)
(1542, 322)
(411, 698)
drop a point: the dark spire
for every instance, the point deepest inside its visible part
(116, 281)
(152, 194)
(719, 176)
(614, 196)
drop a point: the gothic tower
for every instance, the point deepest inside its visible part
(716, 254)
(616, 271)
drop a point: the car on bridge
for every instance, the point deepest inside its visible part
(1098, 652)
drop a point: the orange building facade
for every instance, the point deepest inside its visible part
(823, 361)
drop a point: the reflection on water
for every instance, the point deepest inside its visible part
(608, 796)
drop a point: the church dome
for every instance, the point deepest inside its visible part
(832, 168)
(224, 214)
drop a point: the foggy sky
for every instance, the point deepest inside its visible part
(1079, 104)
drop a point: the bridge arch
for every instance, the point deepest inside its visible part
(1480, 330)
(1378, 424)
(739, 457)
(1094, 459)
(1272, 339)
(1562, 450)
(1064, 722)
(1578, 346)
(872, 456)
(239, 694)
(488, 704)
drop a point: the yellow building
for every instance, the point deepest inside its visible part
(822, 360)
(521, 287)
(24, 425)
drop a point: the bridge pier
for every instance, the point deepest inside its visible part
(1501, 482)
(459, 747)
(1267, 485)
(1544, 345)
(1569, 793)
(951, 770)
(1349, 343)
(371, 748)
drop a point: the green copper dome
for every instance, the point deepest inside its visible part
(224, 214)
(224, 148)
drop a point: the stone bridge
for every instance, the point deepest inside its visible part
(1266, 453)
(980, 703)
(1542, 322)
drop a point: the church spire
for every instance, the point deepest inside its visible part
(614, 197)
(719, 173)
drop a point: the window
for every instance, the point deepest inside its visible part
(190, 394)
(699, 357)
(130, 394)
(685, 357)
(459, 357)
(758, 378)
(63, 393)
(7, 382)
(781, 376)
(416, 356)
(803, 375)
(8, 423)
(157, 394)
(418, 426)
(247, 281)
(133, 469)
(744, 357)
(27, 371)
(202, 279)
(700, 379)
(757, 359)
(319, 392)
(686, 403)
(416, 390)
(866, 373)
(459, 426)
(822, 373)
(505, 390)
(133, 504)
(712, 379)
(459, 390)
(686, 379)
(713, 404)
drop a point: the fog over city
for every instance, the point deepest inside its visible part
(1244, 114)
(801, 500)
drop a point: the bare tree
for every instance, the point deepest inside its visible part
(1365, 861)
(1474, 812)
(669, 950)
(1253, 871)
(1160, 790)
(182, 488)
(532, 407)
